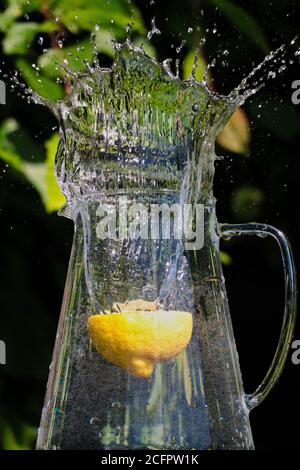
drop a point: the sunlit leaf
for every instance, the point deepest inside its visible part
(148, 48)
(10, 14)
(235, 136)
(40, 174)
(226, 259)
(54, 199)
(104, 44)
(19, 37)
(86, 18)
(244, 22)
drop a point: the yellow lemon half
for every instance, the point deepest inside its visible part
(137, 340)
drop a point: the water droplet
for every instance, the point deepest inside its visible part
(128, 28)
(179, 48)
(116, 404)
(154, 29)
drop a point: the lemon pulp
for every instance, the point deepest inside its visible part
(137, 340)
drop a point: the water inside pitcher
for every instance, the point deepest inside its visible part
(145, 356)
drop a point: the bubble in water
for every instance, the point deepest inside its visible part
(94, 421)
(116, 404)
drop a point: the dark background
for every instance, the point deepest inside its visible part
(262, 186)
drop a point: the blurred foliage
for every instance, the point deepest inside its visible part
(40, 38)
(247, 202)
(245, 22)
(40, 174)
(236, 134)
(23, 439)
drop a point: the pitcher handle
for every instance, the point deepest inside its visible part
(280, 357)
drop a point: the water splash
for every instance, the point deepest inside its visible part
(274, 64)
(154, 30)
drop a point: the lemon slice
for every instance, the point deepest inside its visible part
(137, 340)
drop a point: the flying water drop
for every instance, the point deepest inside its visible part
(154, 30)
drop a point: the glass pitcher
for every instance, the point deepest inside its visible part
(145, 356)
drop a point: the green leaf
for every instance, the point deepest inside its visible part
(244, 22)
(9, 440)
(226, 259)
(7, 148)
(41, 84)
(147, 46)
(54, 199)
(188, 64)
(77, 54)
(41, 174)
(51, 62)
(104, 44)
(86, 19)
(79, 15)
(24, 440)
(12, 12)
(19, 37)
